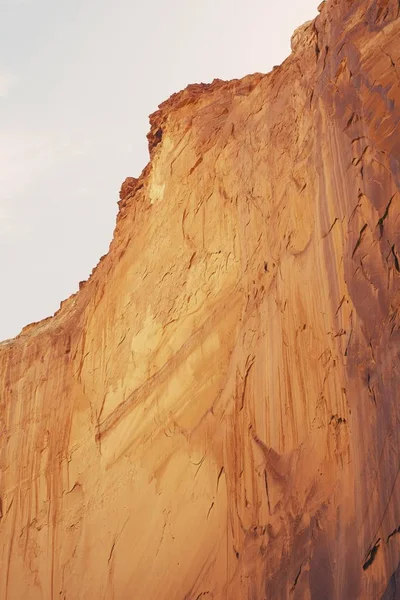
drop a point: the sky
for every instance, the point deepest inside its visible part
(78, 79)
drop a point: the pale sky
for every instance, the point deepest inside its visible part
(78, 79)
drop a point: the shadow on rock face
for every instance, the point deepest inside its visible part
(392, 591)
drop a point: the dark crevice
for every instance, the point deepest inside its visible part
(111, 551)
(330, 228)
(381, 14)
(357, 159)
(297, 577)
(267, 491)
(394, 532)
(158, 135)
(395, 258)
(353, 119)
(338, 420)
(317, 50)
(371, 555)
(197, 163)
(340, 305)
(248, 369)
(9, 506)
(384, 216)
(154, 137)
(219, 476)
(360, 237)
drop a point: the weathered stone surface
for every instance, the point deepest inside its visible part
(216, 413)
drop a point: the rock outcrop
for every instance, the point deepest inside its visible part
(215, 414)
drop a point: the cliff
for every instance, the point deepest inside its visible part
(215, 414)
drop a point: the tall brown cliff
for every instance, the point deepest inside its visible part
(215, 414)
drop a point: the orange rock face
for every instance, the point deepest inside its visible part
(215, 414)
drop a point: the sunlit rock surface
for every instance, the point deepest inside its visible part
(215, 414)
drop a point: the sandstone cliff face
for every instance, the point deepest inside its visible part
(215, 414)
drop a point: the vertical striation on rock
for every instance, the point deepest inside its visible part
(215, 414)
